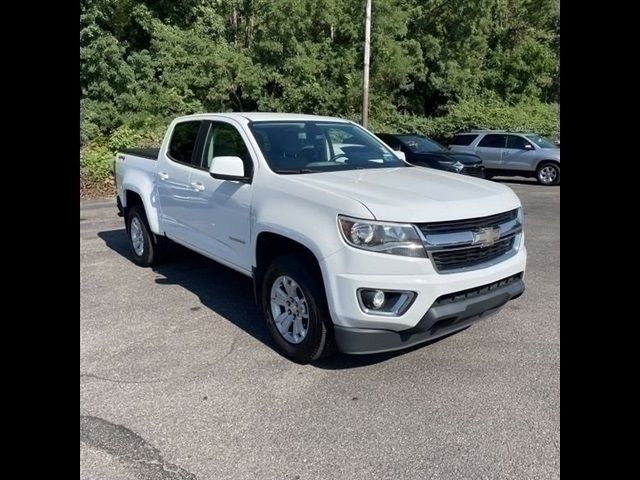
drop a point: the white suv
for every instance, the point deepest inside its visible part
(507, 153)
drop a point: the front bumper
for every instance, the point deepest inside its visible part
(471, 170)
(474, 171)
(349, 269)
(448, 314)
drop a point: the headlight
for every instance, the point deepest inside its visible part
(391, 238)
(520, 216)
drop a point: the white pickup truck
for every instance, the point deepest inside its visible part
(348, 245)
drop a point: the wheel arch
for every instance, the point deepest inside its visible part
(270, 245)
(547, 160)
(142, 192)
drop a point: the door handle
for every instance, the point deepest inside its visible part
(163, 176)
(197, 186)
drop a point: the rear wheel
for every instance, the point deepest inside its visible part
(294, 308)
(146, 248)
(548, 174)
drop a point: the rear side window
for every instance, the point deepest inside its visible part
(183, 141)
(514, 141)
(463, 139)
(493, 141)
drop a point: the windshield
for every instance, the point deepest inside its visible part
(309, 147)
(421, 144)
(542, 142)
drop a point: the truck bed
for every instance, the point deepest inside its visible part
(148, 153)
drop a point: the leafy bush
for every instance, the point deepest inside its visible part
(96, 163)
(96, 157)
(533, 116)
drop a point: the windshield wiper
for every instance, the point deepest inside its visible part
(291, 171)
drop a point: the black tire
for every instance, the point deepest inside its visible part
(152, 246)
(318, 341)
(548, 174)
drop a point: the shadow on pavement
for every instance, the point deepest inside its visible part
(517, 180)
(230, 295)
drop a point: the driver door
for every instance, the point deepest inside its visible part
(490, 149)
(519, 153)
(220, 210)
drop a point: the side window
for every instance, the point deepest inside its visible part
(514, 141)
(463, 140)
(493, 141)
(391, 141)
(183, 141)
(224, 140)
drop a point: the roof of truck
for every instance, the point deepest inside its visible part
(268, 116)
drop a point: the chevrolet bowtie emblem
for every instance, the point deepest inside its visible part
(486, 236)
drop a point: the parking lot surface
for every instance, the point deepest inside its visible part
(179, 379)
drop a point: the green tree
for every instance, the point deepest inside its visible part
(145, 61)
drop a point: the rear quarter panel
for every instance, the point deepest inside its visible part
(138, 175)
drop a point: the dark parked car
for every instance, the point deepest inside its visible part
(426, 152)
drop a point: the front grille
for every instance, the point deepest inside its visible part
(468, 224)
(474, 292)
(470, 257)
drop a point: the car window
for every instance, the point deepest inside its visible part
(515, 141)
(463, 139)
(183, 141)
(224, 140)
(389, 140)
(493, 141)
(420, 144)
(543, 142)
(292, 147)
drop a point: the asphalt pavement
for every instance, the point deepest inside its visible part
(179, 379)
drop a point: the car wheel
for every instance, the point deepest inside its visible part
(548, 174)
(146, 248)
(294, 306)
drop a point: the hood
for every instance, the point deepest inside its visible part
(465, 158)
(412, 194)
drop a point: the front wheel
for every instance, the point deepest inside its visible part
(294, 307)
(548, 174)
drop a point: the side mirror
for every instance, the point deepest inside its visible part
(228, 168)
(528, 146)
(400, 154)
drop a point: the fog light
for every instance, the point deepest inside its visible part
(378, 299)
(384, 302)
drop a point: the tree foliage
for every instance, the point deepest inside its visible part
(145, 61)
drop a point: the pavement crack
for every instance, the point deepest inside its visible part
(130, 448)
(231, 348)
(113, 380)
